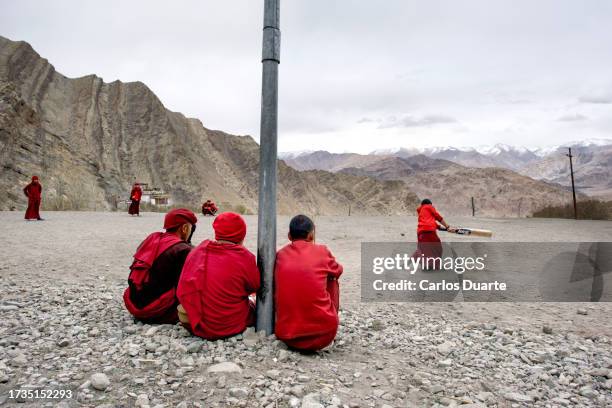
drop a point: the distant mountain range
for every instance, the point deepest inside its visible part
(496, 191)
(592, 161)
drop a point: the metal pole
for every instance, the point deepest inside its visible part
(573, 187)
(266, 221)
(473, 208)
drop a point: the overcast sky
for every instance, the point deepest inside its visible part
(354, 75)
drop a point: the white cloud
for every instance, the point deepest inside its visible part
(500, 70)
(573, 117)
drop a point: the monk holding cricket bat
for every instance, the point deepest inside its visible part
(429, 244)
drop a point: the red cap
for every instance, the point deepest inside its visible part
(178, 217)
(229, 226)
(34, 178)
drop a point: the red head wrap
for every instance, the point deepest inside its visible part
(229, 226)
(178, 217)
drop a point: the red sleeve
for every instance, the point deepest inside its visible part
(436, 214)
(334, 268)
(252, 276)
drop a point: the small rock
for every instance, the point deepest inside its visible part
(63, 342)
(273, 374)
(517, 397)
(19, 360)
(582, 311)
(142, 401)
(224, 367)
(434, 389)
(99, 381)
(194, 347)
(240, 393)
(187, 362)
(588, 392)
(297, 390)
(250, 337)
(547, 329)
(445, 363)
(283, 356)
(312, 400)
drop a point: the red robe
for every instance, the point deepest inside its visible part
(306, 295)
(135, 196)
(34, 192)
(427, 218)
(429, 244)
(151, 294)
(214, 289)
(209, 208)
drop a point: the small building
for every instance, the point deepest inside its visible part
(155, 196)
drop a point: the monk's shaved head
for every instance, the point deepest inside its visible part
(300, 227)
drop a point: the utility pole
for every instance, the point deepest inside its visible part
(473, 208)
(266, 220)
(573, 186)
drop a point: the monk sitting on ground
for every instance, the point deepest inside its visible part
(216, 282)
(209, 208)
(151, 295)
(307, 294)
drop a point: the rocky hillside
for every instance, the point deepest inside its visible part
(592, 169)
(497, 192)
(90, 140)
(592, 161)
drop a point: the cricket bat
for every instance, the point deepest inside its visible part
(470, 231)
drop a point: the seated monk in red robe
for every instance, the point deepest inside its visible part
(209, 208)
(307, 293)
(429, 245)
(151, 294)
(34, 193)
(216, 282)
(135, 196)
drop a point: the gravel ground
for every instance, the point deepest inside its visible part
(63, 326)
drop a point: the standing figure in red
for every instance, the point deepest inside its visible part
(429, 245)
(209, 208)
(135, 196)
(34, 192)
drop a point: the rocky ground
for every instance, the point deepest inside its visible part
(63, 326)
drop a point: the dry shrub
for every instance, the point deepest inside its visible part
(587, 210)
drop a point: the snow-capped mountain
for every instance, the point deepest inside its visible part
(593, 161)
